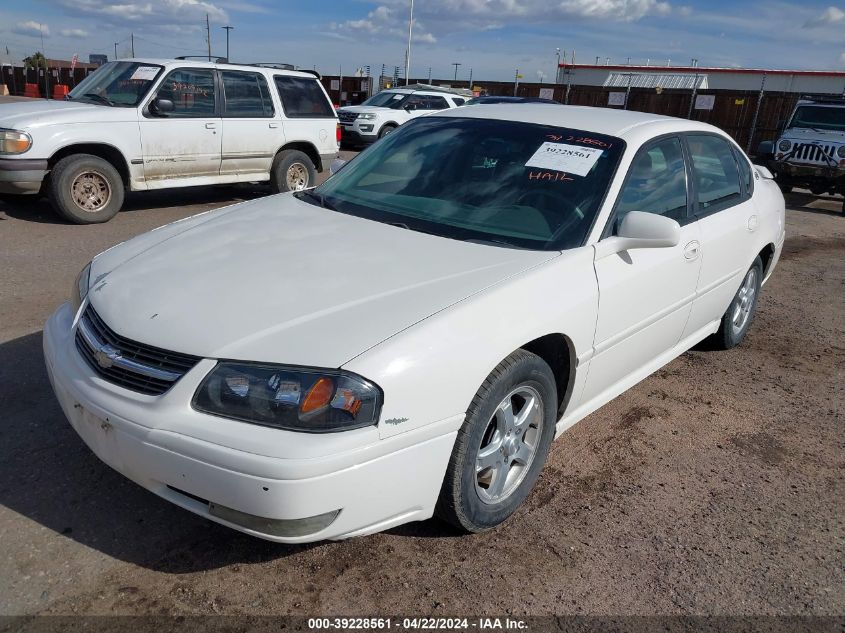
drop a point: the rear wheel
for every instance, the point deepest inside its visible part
(85, 189)
(740, 314)
(292, 171)
(502, 445)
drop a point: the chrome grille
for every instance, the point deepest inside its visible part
(135, 366)
(814, 153)
(347, 117)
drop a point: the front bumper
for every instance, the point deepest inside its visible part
(22, 175)
(352, 135)
(800, 170)
(212, 466)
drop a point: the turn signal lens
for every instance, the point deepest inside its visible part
(319, 396)
(14, 142)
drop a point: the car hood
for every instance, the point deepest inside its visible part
(280, 280)
(362, 108)
(803, 135)
(39, 112)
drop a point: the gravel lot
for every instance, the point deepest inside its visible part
(716, 486)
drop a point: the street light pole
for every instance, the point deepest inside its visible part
(228, 28)
(408, 55)
(557, 68)
(115, 49)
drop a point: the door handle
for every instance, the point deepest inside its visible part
(692, 250)
(274, 125)
(210, 126)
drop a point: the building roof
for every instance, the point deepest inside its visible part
(700, 69)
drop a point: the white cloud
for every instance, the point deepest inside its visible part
(450, 16)
(190, 13)
(75, 33)
(32, 28)
(831, 15)
(384, 21)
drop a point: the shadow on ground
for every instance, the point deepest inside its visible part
(38, 209)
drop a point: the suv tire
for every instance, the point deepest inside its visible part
(387, 129)
(292, 170)
(85, 189)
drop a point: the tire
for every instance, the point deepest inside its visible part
(729, 334)
(468, 498)
(292, 170)
(387, 129)
(785, 186)
(85, 189)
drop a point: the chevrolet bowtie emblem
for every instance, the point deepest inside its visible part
(106, 356)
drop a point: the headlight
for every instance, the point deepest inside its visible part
(80, 287)
(367, 116)
(784, 145)
(841, 151)
(14, 142)
(294, 398)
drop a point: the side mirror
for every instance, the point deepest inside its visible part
(336, 165)
(641, 230)
(409, 106)
(766, 149)
(161, 106)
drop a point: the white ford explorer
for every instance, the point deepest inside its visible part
(409, 337)
(382, 113)
(144, 124)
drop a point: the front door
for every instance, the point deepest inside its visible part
(186, 142)
(645, 295)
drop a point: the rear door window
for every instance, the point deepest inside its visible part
(246, 95)
(715, 172)
(303, 98)
(435, 103)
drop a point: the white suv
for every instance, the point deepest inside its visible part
(144, 124)
(382, 113)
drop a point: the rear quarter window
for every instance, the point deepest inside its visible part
(303, 98)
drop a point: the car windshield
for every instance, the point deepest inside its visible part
(819, 117)
(119, 84)
(508, 183)
(386, 100)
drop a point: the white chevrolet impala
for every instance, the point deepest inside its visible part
(408, 338)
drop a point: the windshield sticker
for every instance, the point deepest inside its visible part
(581, 140)
(572, 159)
(144, 73)
(399, 96)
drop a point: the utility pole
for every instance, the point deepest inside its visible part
(456, 64)
(470, 78)
(228, 28)
(208, 35)
(429, 75)
(115, 49)
(516, 82)
(46, 63)
(408, 52)
(132, 39)
(557, 68)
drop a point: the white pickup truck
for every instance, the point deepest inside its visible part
(142, 124)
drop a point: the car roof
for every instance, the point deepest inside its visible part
(194, 63)
(626, 124)
(432, 93)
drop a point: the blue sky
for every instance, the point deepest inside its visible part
(491, 37)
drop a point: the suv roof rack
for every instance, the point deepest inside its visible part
(463, 92)
(205, 58)
(824, 98)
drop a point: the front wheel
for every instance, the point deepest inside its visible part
(740, 314)
(387, 129)
(502, 445)
(292, 171)
(85, 189)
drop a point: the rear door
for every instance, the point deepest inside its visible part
(728, 221)
(251, 132)
(645, 294)
(184, 143)
(308, 114)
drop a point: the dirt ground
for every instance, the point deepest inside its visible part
(716, 486)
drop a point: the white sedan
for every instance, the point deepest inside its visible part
(408, 338)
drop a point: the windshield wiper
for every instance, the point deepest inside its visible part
(319, 198)
(100, 98)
